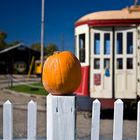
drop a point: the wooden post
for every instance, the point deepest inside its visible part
(118, 120)
(60, 117)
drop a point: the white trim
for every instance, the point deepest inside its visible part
(83, 29)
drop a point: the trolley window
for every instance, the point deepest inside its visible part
(119, 43)
(106, 43)
(96, 63)
(75, 41)
(82, 47)
(129, 63)
(106, 63)
(97, 43)
(119, 63)
(129, 43)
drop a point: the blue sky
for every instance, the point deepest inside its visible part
(21, 19)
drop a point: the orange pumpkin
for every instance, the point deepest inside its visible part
(61, 73)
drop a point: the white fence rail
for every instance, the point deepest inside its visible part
(61, 119)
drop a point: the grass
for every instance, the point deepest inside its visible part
(34, 88)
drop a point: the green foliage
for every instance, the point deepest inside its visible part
(3, 43)
(3, 36)
(13, 43)
(50, 49)
(36, 46)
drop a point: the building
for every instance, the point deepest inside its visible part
(17, 59)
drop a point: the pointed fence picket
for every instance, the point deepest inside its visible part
(118, 120)
(95, 127)
(138, 121)
(7, 121)
(61, 119)
(32, 120)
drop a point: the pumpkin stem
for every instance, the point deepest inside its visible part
(56, 52)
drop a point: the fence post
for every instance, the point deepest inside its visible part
(118, 120)
(60, 117)
(138, 121)
(95, 126)
(8, 121)
(32, 120)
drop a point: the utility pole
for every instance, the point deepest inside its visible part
(42, 34)
(62, 41)
(135, 2)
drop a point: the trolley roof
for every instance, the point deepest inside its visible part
(125, 16)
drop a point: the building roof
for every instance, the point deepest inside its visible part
(13, 47)
(128, 13)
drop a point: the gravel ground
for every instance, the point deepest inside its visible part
(83, 119)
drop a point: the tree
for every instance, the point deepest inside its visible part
(13, 43)
(36, 46)
(47, 50)
(3, 43)
(50, 49)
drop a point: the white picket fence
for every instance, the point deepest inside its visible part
(61, 122)
(8, 121)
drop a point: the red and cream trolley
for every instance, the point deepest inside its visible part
(107, 44)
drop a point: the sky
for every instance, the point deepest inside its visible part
(21, 19)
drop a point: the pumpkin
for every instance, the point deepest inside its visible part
(61, 73)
